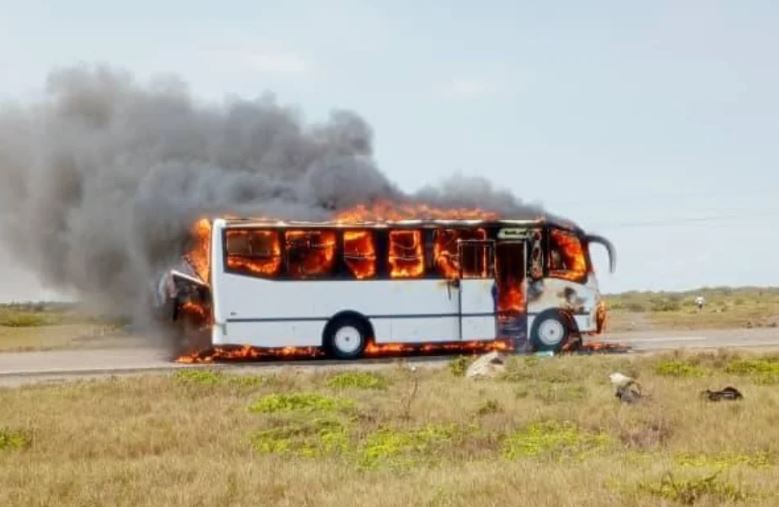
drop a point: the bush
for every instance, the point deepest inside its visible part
(459, 365)
(403, 448)
(310, 438)
(690, 491)
(357, 380)
(11, 439)
(554, 439)
(678, 368)
(762, 370)
(307, 402)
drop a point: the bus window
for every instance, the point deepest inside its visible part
(406, 258)
(447, 256)
(310, 253)
(253, 252)
(477, 258)
(360, 253)
(566, 256)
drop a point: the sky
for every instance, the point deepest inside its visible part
(652, 123)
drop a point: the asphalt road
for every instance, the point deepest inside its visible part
(24, 367)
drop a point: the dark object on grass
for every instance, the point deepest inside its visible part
(729, 393)
(630, 393)
(628, 390)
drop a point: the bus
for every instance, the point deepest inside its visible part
(344, 286)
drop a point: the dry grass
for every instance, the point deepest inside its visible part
(725, 308)
(43, 326)
(549, 433)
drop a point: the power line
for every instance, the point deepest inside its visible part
(706, 220)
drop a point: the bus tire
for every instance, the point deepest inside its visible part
(346, 336)
(551, 331)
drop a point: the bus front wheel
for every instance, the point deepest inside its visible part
(550, 332)
(346, 337)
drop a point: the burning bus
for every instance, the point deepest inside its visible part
(359, 284)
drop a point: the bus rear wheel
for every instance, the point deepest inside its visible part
(346, 337)
(550, 332)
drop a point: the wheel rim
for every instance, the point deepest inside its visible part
(347, 339)
(551, 332)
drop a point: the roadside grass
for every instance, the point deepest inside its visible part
(725, 308)
(39, 326)
(209, 437)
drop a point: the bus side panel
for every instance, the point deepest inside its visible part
(478, 309)
(399, 310)
(578, 300)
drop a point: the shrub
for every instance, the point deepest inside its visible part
(762, 459)
(690, 491)
(762, 370)
(311, 438)
(552, 438)
(403, 448)
(459, 365)
(308, 402)
(11, 439)
(357, 380)
(678, 368)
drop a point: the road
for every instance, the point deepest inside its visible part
(24, 367)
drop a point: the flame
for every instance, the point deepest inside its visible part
(360, 253)
(573, 265)
(199, 254)
(406, 259)
(447, 256)
(601, 317)
(389, 211)
(254, 251)
(248, 353)
(310, 253)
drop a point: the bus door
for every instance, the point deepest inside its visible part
(477, 278)
(510, 290)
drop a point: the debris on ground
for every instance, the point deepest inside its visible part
(579, 346)
(489, 365)
(729, 393)
(627, 389)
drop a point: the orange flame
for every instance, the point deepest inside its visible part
(198, 255)
(389, 211)
(406, 259)
(447, 256)
(257, 252)
(360, 253)
(572, 264)
(311, 253)
(247, 353)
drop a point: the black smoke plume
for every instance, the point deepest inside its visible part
(101, 180)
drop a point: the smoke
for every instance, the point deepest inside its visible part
(101, 180)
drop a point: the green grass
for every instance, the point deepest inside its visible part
(14, 439)
(357, 380)
(308, 402)
(553, 439)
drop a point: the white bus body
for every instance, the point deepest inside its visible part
(285, 312)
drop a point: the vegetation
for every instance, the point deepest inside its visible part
(357, 380)
(11, 439)
(212, 437)
(725, 308)
(35, 326)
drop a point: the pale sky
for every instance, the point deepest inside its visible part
(652, 123)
